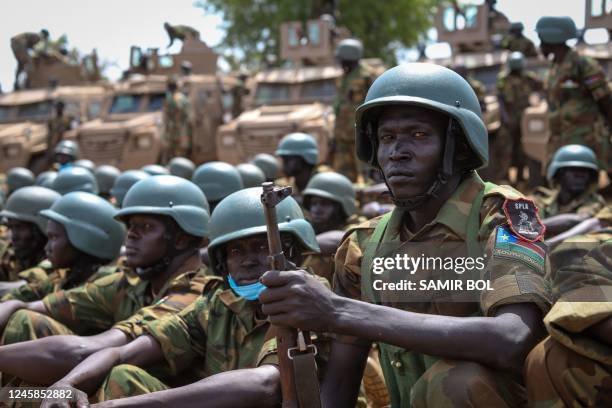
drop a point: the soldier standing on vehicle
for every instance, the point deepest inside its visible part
(176, 114)
(579, 95)
(22, 44)
(516, 41)
(180, 32)
(352, 89)
(514, 86)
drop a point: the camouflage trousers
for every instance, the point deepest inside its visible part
(345, 160)
(126, 380)
(26, 325)
(559, 377)
(449, 383)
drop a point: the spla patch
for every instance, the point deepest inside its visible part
(510, 246)
(523, 219)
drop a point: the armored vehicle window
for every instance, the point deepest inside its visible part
(5, 113)
(156, 102)
(270, 93)
(93, 109)
(33, 110)
(319, 90)
(126, 103)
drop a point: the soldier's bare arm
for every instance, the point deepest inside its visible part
(340, 386)
(257, 387)
(9, 307)
(586, 226)
(562, 222)
(54, 356)
(501, 341)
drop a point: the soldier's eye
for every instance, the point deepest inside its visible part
(234, 251)
(385, 137)
(419, 134)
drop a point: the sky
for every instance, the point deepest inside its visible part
(112, 26)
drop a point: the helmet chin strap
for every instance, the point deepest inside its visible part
(442, 177)
(162, 264)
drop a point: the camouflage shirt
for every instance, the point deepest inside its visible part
(574, 87)
(57, 126)
(218, 332)
(99, 305)
(54, 281)
(176, 118)
(589, 203)
(10, 266)
(515, 91)
(520, 44)
(352, 90)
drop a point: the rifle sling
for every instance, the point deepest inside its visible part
(306, 380)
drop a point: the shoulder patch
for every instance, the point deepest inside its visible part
(510, 246)
(523, 219)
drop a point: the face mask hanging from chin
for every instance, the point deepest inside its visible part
(249, 292)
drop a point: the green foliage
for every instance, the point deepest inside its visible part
(252, 26)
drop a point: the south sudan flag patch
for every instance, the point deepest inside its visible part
(510, 246)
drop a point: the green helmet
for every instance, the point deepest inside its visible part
(516, 61)
(67, 147)
(19, 177)
(75, 179)
(268, 164)
(333, 186)
(299, 144)
(181, 167)
(155, 170)
(126, 180)
(25, 204)
(171, 196)
(251, 175)
(106, 176)
(89, 222)
(573, 155)
(217, 180)
(86, 164)
(241, 215)
(46, 178)
(556, 30)
(429, 86)
(350, 49)
(517, 26)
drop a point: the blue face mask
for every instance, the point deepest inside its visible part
(249, 292)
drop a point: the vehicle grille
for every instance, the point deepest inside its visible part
(254, 143)
(102, 148)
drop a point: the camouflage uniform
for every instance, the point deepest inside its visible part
(218, 332)
(20, 44)
(115, 301)
(479, 88)
(574, 87)
(176, 126)
(521, 44)
(515, 90)
(352, 89)
(588, 204)
(570, 367)
(57, 126)
(418, 380)
(10, 266)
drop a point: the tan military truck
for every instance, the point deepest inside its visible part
(129, 132)
(294, 99)
(24, 115)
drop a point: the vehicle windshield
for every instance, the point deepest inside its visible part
(35, 110)
(156, 102)
(271, 93)
(127, 103)
(324, 90)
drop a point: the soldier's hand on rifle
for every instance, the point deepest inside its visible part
(297, 299)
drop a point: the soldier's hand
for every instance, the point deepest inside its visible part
(79, 398)
(297, 299)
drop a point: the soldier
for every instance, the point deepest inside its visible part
(222, 330)
(239, 91)
(268, 164)
(75, 179)
(181, 167)
(21, 45)
(83, 238)
(300, 155)
(181, 32)
(516, 41)
(155, 170)
(251, 175)
(573, 172)
(498, 23)
(106, 176)
(18, 177)
(514, 87)
(28, 233)
(572, 365)
(64, 154)
(579, 96)
(421, 125)
(123, 183)
(57, 126)
(595, 229)
(351, 91)
(177, 138)
(217, 180)
(46, 178)
(167, 222)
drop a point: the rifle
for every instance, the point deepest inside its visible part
(299, 381)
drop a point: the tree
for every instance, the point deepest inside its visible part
(252, 26)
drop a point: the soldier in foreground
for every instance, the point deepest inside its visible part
(167, 222)
(421, 125)
(579, 95)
